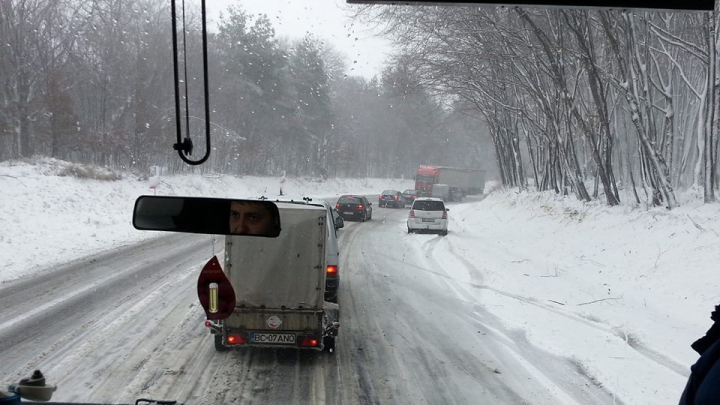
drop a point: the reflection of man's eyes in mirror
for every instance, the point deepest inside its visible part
(255, 217)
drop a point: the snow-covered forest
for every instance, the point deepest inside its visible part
(91, 81)
(607, 105)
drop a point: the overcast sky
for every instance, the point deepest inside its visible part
(327, 19)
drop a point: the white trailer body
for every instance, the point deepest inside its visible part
(279, 285)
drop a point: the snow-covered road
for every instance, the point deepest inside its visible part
(437, 342)
(126, 324)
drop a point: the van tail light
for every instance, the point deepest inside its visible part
(310, 341)
(236, 339)
(332, 271)
(444, 214)
(412, 213)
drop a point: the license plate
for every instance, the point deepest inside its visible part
(272, 338)
(348, 212)
(428, 220)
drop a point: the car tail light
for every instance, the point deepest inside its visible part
(332, 271)
(360, 207)
(337, 206)
(310, 341)
(381, 196)
(444, 215)
(396, 198)
(235, 339)
(412, 213)
(414, 195)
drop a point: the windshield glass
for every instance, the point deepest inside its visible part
(573, 258)
(429, 206)
(350, 200)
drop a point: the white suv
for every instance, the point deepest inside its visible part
(428, 214)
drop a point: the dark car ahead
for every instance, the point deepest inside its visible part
(392, 198)
(354, 207)
(410, 196)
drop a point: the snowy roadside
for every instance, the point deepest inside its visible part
(50, 216)
(621, 291)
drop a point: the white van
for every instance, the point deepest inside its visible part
(441, 191)
(334, 222)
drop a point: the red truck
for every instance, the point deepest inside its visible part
(462, 181)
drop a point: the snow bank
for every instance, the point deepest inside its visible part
(53, 211)
(623, 291)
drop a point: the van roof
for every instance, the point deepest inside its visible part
(291, 205)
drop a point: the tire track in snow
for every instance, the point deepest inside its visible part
(629, 339)
(119, 277)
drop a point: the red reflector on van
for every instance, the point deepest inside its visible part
(309, 341)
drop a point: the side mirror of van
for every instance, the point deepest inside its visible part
(339, 223)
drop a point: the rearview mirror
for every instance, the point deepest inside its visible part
(215, 216)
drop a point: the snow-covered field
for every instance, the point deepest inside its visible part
(623, 291)
(49, 217)
(620, 291)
